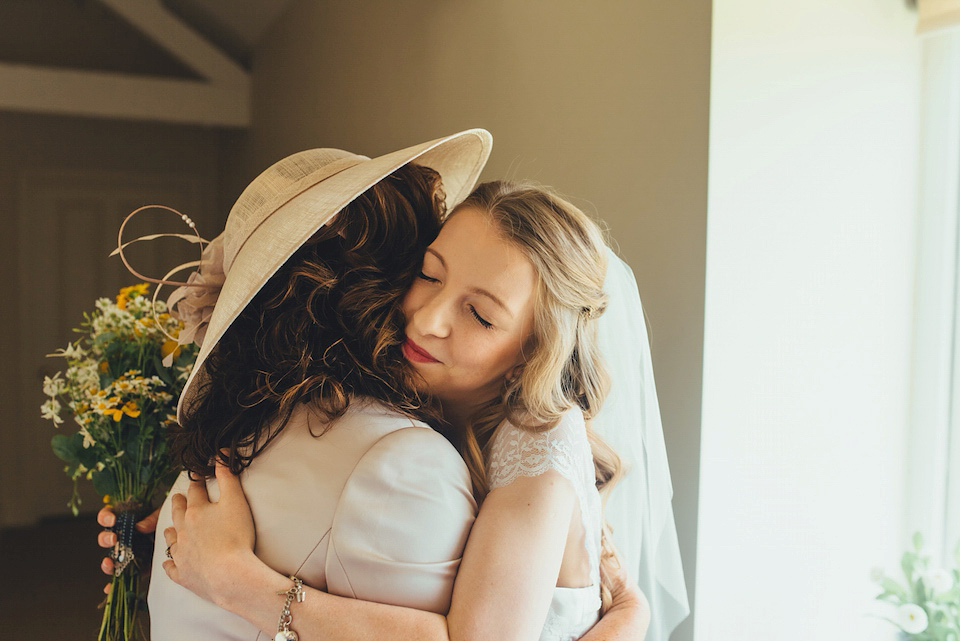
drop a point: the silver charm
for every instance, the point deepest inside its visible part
(284, 633)
(122, 556)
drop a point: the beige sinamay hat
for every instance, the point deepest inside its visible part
(286, 204)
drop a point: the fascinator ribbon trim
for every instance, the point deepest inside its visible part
(192, 302)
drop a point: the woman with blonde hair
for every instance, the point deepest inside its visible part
(501, 330)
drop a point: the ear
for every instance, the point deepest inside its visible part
(514, 373)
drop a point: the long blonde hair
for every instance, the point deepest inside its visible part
(564, 367)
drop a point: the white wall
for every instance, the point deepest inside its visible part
(810, 252)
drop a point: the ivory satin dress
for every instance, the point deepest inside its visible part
(377, 508)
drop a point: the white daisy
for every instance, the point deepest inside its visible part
(938, 580)
(911, 618)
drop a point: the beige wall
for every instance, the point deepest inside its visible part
(606, 101)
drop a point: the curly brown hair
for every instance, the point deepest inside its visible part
(326, 327)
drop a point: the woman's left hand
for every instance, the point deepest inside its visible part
(209, 542)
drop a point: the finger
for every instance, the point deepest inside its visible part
(149, 524)
(106, 517)
(178, 508)
(229, 482)
(197, 494)
(171, 569)
(107, 565)
(107, 539)
(170, 536)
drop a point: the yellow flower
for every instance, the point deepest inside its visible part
(129, 408)
(140, 289)
(171, 347)
(104, 367)
(129, 292)
(106, 499)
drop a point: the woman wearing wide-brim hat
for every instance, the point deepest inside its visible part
(303, 340)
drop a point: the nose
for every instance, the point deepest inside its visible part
(433, 316)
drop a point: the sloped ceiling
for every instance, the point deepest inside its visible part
(86, 34)
(236, 26)
(168, 60)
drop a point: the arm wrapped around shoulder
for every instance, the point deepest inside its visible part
(402, 523)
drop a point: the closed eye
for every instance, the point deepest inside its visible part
(480, 319)
(429, 279)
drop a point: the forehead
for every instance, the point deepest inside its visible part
(476, 255)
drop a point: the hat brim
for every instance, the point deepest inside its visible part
(458, 159)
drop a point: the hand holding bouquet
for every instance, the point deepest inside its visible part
(123, 378)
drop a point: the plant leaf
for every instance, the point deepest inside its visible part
(892, 587)
(104, 483)
(63, 447)
(162, 372)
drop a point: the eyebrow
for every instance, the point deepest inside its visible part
(474, 290)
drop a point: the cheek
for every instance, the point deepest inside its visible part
(408, 304)
(501, 358)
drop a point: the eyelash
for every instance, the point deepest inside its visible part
(473, 310)
(484, 323)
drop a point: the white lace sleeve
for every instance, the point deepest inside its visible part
(516, 452)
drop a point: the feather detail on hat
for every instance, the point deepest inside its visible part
(193, 303)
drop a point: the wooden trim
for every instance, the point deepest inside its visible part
(937, 15)
(935, 397)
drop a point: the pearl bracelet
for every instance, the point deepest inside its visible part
(284, 633)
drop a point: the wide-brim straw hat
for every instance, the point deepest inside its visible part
(286, 205)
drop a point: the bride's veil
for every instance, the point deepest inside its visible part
(639, 508)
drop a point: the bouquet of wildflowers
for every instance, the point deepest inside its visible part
(928, 602)
(121, 385)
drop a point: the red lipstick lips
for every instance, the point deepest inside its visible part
(417, 354)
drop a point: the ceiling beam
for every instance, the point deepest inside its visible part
(221, 99)
(121, 96)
